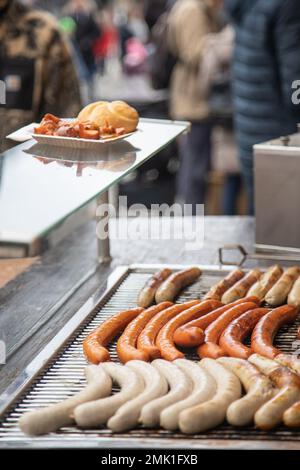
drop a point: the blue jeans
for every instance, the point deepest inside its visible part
(231, 191)
(195, 154)
(248, 177)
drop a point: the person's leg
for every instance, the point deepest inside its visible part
(195, 153)
(231, 189)
(248, 177)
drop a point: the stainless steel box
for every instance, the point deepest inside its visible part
(277, 194)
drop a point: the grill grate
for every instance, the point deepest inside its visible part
(63, 376)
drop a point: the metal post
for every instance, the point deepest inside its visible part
(113, 196)
(103, 245)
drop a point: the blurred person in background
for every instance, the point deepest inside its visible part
(68, 27)
(136, 55)
(107, 44)
(86, 33)
(266, 62)
(188, 23)
(153, 9)
(36, 67)
(137, 23)
(215, 82)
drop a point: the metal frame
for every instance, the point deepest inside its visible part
(150, 443)
(14, 391)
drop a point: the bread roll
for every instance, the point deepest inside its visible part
(117, 114)
(86, 112)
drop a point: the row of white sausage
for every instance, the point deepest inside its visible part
(186, 395)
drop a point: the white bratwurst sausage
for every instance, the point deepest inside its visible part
(180, 387)
(291, 417)
(212, 413)
(294, 295)
(204, 387)
(258, 387)
(290, 361)
(280, 291)
(53, 417)
(127, 417)
(266, 282)
(288, 383)
(97, 412)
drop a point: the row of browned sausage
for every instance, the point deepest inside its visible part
(190, 396)
(275, 286)
(217, 330)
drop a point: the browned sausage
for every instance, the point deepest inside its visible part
(175, 283)
(146, 340)
(212, 334)
(266, 329)
(126, 345)
(231, 340)
(266, 282)
(165, 340)
(189, 337)
(94, 344)
(191, 334)
(217, 291)
(147, 294)
(294, 295)
(289, 360)
(241, 288)
(280, 291)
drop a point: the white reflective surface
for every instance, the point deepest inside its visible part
(41, 186)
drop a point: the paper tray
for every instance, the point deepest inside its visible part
(27, 133)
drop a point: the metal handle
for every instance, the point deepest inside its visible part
(244, 255)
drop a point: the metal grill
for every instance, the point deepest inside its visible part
(62, 376)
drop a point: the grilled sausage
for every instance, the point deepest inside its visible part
(56, 416)
(98, 412)
(266, 329)
(146, 340)
(189, 337)
(241, 288)
(258, 387)
(191, 334)
(290, 361)
(204, 388)
(291, 417)
(126, 345)
(280, 291)
(212, 413)
(294, 295)
(213, 332)
(288, 383)
(127, 416)
(94, 344)
(180, 387)
(165, 341)
(147, 294)
(266, 282)
(231, 340)
(217, 291)
(175, 283)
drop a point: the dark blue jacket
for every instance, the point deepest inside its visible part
(266, 63)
